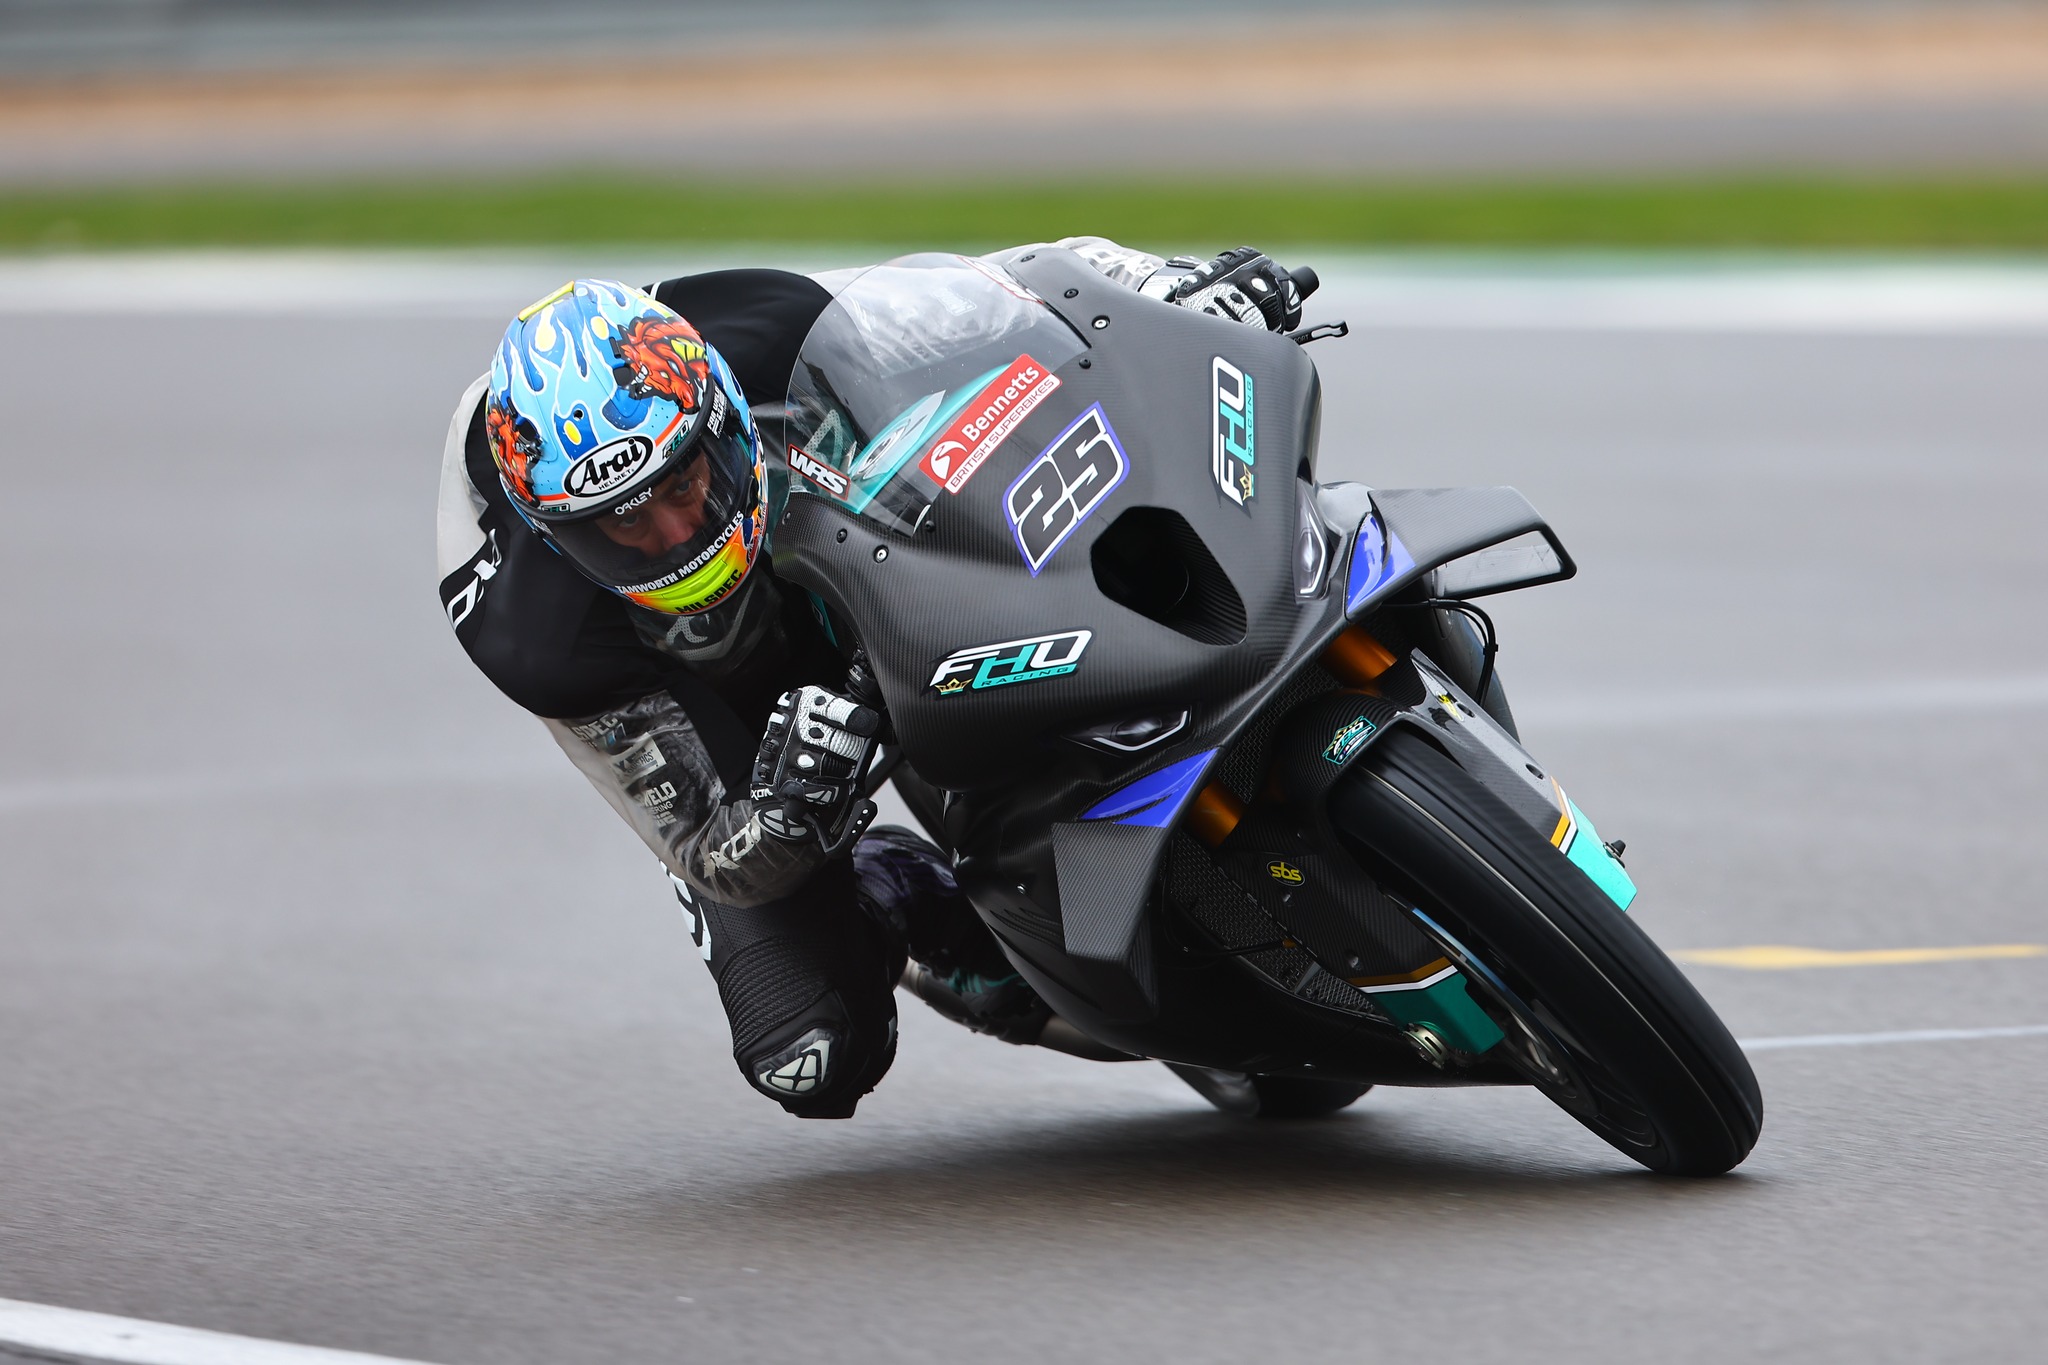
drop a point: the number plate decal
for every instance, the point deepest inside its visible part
(1069, 479)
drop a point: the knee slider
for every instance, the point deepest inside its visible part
(820, 1066)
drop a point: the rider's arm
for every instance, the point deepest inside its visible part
(649, 762)
(1133, 269)
(563, 649)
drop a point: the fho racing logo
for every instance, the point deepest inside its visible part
(1234, 441)
(1012, 661)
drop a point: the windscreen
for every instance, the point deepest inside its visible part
(912, 378)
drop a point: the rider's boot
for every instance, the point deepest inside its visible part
(956, 965)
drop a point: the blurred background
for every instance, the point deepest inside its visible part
(1677, 123)
(335, 1008)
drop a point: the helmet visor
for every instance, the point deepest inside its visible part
(684, 542)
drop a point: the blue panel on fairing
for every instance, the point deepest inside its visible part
(1155, 799)
(1591, 855)
(1378, 558)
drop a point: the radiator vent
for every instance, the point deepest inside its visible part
(1152, 561)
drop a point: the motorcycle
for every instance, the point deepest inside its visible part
(1219, 751)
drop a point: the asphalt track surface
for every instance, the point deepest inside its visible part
(336, 1010)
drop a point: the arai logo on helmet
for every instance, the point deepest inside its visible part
(610, 466)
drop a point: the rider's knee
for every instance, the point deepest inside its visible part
(808, 985)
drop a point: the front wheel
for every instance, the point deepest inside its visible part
(1591, 1010)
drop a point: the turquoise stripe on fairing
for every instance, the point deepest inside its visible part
(1590, 853)
(1445, 1007)
(857, 499)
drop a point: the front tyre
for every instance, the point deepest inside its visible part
(1595, 1015)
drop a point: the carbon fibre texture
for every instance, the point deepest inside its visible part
(1242, 769)
(1103, 870)
(1235, 921)
(1437, 524)
(1214, 902)
(961, 582)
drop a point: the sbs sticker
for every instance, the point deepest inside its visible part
(1233, 441)
(1069, 479)
(1012, 661)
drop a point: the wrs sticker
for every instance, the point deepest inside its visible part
(973, 433)
(817, 471)
(1067, 481)
(1233, 444)
(1012, 661)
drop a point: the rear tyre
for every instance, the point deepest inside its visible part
(1268, 1097)
(1595, 1015)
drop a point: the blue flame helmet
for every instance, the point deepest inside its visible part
(625, 441)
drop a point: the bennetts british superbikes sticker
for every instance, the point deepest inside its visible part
(972, 434)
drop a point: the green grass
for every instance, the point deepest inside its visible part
(2010, 215)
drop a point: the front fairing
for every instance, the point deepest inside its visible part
(971, 575)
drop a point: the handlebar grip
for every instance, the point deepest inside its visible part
(1305, 279)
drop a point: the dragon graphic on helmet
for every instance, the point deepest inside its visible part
(661, 358)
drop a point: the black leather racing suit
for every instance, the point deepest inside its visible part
(663, 714)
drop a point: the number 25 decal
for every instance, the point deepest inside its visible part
(1067, 481)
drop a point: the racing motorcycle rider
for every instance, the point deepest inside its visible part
(605, 497)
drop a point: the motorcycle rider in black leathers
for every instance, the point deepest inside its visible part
(606, 492)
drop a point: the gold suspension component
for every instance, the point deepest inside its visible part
(1213, 814)
(1355, 658)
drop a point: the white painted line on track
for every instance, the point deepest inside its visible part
(374, 284)
(1375, 292)
(1918, 1035)
(1878, 299)
(70, 1333)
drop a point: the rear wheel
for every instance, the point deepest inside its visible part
(1592, 1011)
(1268, 1097)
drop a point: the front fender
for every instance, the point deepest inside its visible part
(1421, 694)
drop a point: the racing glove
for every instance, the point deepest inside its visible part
(1244, 285)
(807, 774)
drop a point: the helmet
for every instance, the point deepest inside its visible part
(625, 441)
